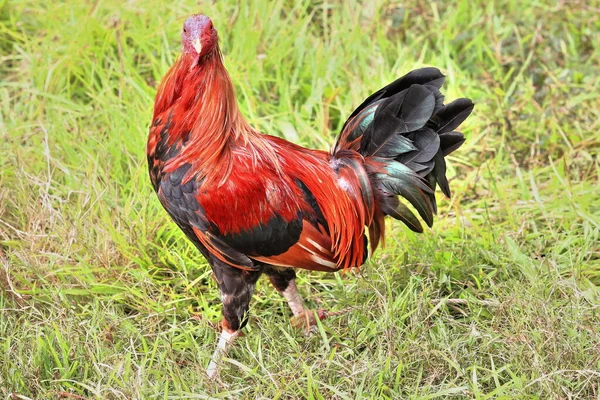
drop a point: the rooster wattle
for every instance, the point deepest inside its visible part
(254, 204)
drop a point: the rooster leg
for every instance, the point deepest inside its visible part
(236, 287)
(293, 298)
(225, 340)
(284, 281)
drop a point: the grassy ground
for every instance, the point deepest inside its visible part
(101, 296)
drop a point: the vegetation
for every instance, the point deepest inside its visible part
(102, 297)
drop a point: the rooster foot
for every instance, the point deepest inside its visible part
(307, 320)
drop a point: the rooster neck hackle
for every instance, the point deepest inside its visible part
(199, 95)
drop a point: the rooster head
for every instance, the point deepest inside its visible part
(198, 36)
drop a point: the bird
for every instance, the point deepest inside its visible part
(256, 204)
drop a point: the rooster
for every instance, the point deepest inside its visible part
(256, 204)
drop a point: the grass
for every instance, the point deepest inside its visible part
(102, 297)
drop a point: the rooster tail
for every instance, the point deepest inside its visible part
(404, 131)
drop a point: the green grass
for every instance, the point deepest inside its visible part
(102, 297)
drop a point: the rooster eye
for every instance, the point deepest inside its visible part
(184, 30)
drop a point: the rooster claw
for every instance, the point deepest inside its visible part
(307, 320)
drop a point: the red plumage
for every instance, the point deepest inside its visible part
(254, 203)
(248, 177)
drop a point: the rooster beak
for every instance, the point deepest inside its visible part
(197, 45)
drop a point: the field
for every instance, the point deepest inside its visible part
(101, 296)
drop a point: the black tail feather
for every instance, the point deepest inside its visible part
(395, 209)
(424, 76)
(450, 116)
(405, 129)
(450, 141)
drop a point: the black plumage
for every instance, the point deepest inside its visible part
(273, 238)
(409, 131)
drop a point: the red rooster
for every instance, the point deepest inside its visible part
(254, 204)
